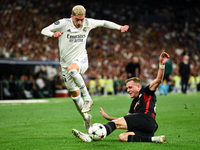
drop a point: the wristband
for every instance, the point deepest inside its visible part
(161, 66)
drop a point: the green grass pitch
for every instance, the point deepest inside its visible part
(47, 125)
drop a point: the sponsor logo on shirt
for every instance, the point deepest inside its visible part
(76, 38)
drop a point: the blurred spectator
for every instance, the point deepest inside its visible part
(184, 71)
(133, 68)
(92, 86)
(58, 83)
(40, 82)
(11, 90)
(100, 85)
(21, 82)
(30, 88)
(176, 82)
(197, 78)
(109, 85)
(120, 85)
(192, 83)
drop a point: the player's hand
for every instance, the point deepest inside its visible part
(57, 34)
(164, 57)
(124, 28)
(103, 113)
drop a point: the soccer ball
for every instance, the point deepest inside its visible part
(97, 131)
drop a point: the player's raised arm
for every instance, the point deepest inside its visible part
(155, 83)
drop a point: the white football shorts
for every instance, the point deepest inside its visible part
(82, 62)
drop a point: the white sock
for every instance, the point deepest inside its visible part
(152, 139)
(79, 105)
(80, 83)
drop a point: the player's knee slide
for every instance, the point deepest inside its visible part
(73, 72)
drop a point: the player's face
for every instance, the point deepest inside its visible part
(78, 20)
(132, 89)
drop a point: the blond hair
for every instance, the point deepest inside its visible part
(78, 10)
(135, 80)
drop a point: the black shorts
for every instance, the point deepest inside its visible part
(141, 124)
(166, 77)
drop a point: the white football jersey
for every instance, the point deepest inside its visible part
(72, 43)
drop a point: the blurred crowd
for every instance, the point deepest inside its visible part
(171, 26)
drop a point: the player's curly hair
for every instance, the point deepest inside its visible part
(78, 10)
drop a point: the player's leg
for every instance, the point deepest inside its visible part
(132, 137)
(135, 137)
(76, 97)
(110, 127)
(79, 105)
(122, 123)
(115, 124)
(75, 70)
(143, 127)
(84, 137)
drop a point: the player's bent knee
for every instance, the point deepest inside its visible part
(73, 66)
(75, 93)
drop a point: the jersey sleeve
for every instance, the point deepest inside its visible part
(56, 26)
(103, 23)
(148, 91)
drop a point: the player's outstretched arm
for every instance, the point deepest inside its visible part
(54, 30)
(106, 116)
(155, 83)
(47, 32)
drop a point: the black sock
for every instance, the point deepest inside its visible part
(110, 127)
(139, 138)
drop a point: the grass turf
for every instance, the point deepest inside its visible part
(45, 126)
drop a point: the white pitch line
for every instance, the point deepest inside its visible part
(24, 101)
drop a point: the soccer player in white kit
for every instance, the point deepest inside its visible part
(72, 34)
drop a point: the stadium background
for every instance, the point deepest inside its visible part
(171, 26)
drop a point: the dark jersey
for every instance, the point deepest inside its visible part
(145, 103)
